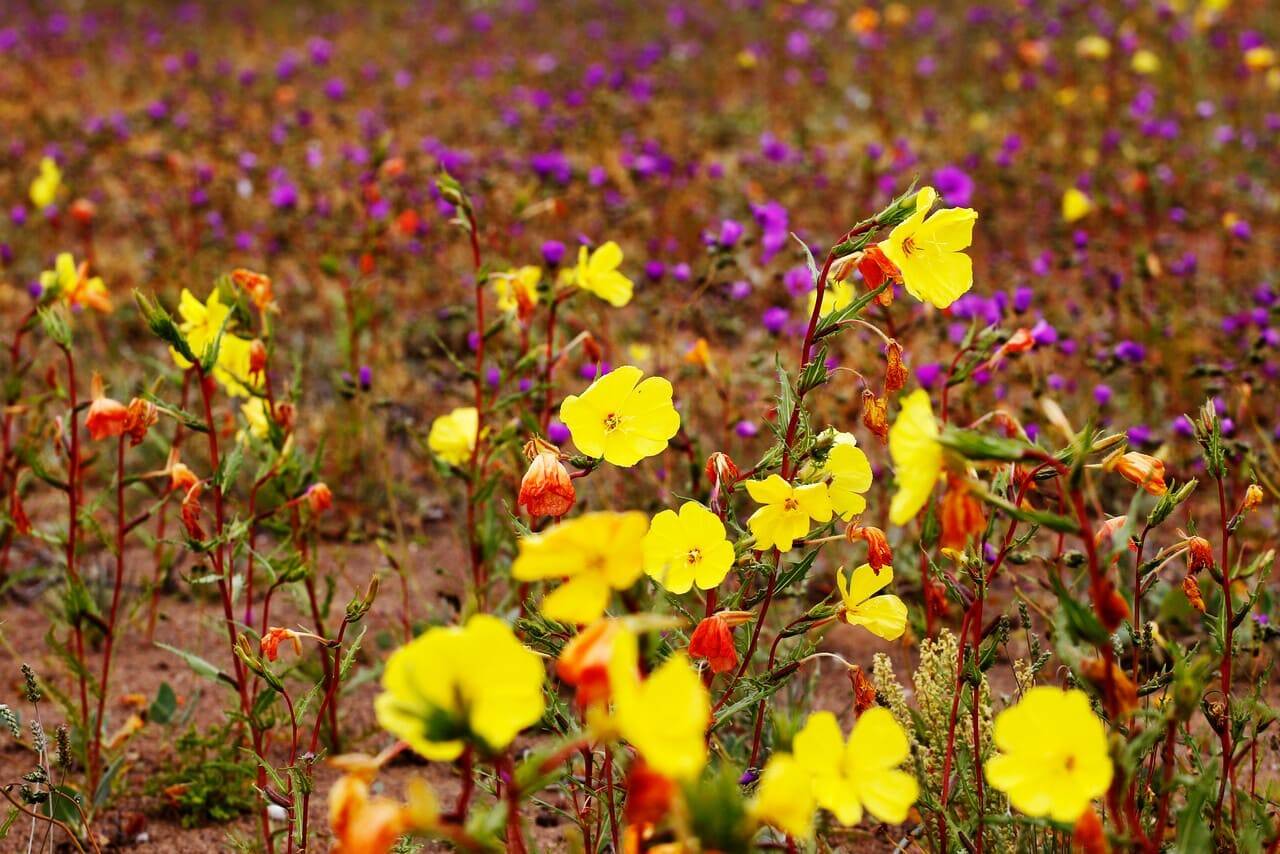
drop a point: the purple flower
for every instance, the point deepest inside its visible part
(366, 377)
(739, 290)
(1241, 230)
(557, 432)
(1130, 351)
(746, 429)
(553, 252)
(335, 89)
(1022, 299)
(681, 272)
(955, 185)
(283, 195)
(775, 318)
(1044, 334)
(929, 374)
(1102, 394)
(655, 270)
(1182, 426)
(798, 280)
(730, 232)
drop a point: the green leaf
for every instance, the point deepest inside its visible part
(198, 664)
(1082, 623)
(164, 705)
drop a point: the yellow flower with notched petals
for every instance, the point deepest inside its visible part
(787, 509)
(930, 252)
(73, 284)
(453, 436)
(597, 272)
(1053, 757)
(257, 418)
(861, 774)
(1075, 205)
(784, 798)
(202, 322)
(664, 716)
(847, 473)
(44, 187)
(620, 418)
(597, 552)
(885, 615)
(518, 288)
(453, 686)
(916, 454)
(687, 548)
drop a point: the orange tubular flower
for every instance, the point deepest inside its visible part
(319, 497)
(139, 418)
(546, 489)
(961, 515)
(584, 661)
(270, 643)
(879, 553)
(106, 418)
(713, 640)
(876, 269)
(1141, 470)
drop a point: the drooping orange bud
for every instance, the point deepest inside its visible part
(864, 693)
(181, 477)
(875, 414)
(257, 357)
(256, 285)
(721, 469)
(713, 640)
(1120, 693)
(270, 643)
(83, 211)
(106, 418)
(1252, 498)
(649, 795)
(879, 553)
(1199, 554)
(191, 512)
(1191, 589)
(895, 372)
(584, 661)
(139, 418)
(1141, 470)
(961, 515)
(319, 497)
(1107, 532)
(1112, 607)
(1088, 836)
(546, 488)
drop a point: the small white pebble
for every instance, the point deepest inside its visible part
(275, 812)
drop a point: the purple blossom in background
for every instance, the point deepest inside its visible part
(775, 318)
(746, 429)
(1130, 351)
(557, 432)
(1102, 394)
(553, 252)
(955, 185)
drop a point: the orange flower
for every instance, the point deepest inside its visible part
(1141, 470)
(864, 692)
(879, 553)
(257, 357)
(649, 795)
(191, 512)
(106, 418)
(257, 286)
(1119, 691)
(895, 372)
(270, 643)
(1112, 607)
(584, 661)
(876, 269)
(1252, 498)
(139, 418)
(319, 497)
(721, 470)
(363, 824)
(181, 477)
(1108, 531)
(713, 640)
(961, 514)
(699, 354)
(1199, 554)
(546, 489)
(875, 414)
(1191, 589)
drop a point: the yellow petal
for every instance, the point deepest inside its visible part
(581, 599)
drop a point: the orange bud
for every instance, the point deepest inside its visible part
(257, 357)
(363, 824)
(1141, 470)
(286, 415)
(1191, 589)
(649, 795)
(1252, 498)
(713, 640)
(935, 597)
(367, 263)
(270, 643)
(139, 418)
(584, 661)
(106, 418)
(721, 469)
(1120, 693)
(895, 372)
(392, 167)
(319, 497)
(864, 693)
(408, 221)
(961, 515)
(875, 414)
(256, 285)
(1199, 554)
(83, 211)
(546, 489)
(879, 553)
(1112, 607)
(181, 477)
(1088, 836)
(699, 354)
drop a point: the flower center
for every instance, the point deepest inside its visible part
(694, 556)
(790, 504)
(908, 246)
(1069, 763)
(612, 422)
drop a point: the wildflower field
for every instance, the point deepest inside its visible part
(684, 426)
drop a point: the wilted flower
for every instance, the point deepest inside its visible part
(895, 372)
(712, 640)
(620, 418)
(961, 515)
(879, 554)
(106, 417)
(139, 418)
(875, 414)
(371, 824)
(1141, 470)
(271, 641)
(584, 660)
(319, 497)
(257, 286)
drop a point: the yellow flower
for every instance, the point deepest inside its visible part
(596, 552)
(73, 285)
(847, 473)
(916, 454)
(456, 685)
(1075, 205)
(201, 325)
(884, 616)
(930, 253)
(1053, 757)
(256, 417)
(621, 418)
(665, 716)
(45, 186)
(597, 272)
(787, 509)
(518, 289)
(1259, 58)
(687, 549)
(838, 295)
(861, 774)
(453, 436)
(1145, 62)
(784, 798)
(1093, 46)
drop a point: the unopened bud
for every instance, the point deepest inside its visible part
(875, 414)
(721, 469)
(895, 372)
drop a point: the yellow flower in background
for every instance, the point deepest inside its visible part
(518, 289)
(787, 509)
(838, 295)
(453, 436)
(884, 616)
(1259, 58)
(256, 417)
(930, 252)
(44, 187)
(457, 685)
(784, 798)
(1145, 62)
(620, 418)
(861, 774)
(597, 552)
(597, 272)
(1075, 205)
(664, 716)
(687, 548)
(916, 455)
(1093, 47)
(1053, 757)
(847, 473)
(72, 284)
(201, 324)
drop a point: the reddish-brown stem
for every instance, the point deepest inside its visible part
(1228, 618)
(73, 527)
(478, 580)
(95, 745)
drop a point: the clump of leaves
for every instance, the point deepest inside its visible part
(208, 781)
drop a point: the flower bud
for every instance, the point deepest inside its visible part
(961, 515)
(257, 357)
(875, 414)
(1141, 470)
(139, 418)
(319, 497)
(721, 469)
(546, 489)
(1252, 498)
(286, 416)
(1107, 532)
(1019, 342)
(713, 640)
(591, 347)
(1118, 690)
(106, 418)
(895, 372)
(83, 211)
(879, 553)
(1199, 554)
